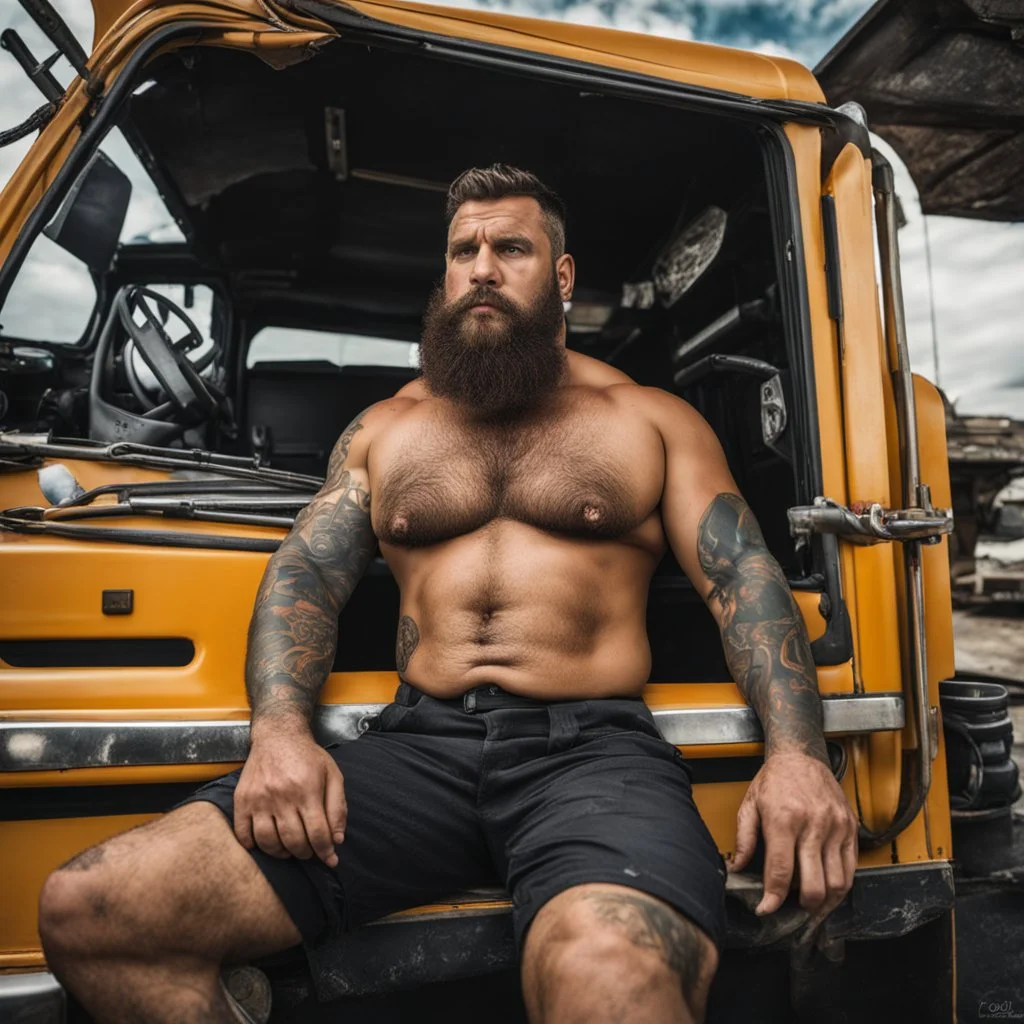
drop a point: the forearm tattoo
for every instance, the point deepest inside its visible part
(294, 628)
(763, 632)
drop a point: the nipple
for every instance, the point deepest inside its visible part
(591, 513)
(399, 524)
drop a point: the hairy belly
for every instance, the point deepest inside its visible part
(534, 613)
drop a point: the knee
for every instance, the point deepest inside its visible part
(85, 906)
(578, 954)
(72, 908)
(605, 948)
(596, 962)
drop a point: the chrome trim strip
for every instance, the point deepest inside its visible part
(40, 745)
(34, 996)
(865, 712)
(48, 745)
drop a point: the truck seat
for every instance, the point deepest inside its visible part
(295, 411)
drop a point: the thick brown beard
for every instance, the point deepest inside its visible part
(498, 371)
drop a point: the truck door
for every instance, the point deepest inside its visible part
(893, 550)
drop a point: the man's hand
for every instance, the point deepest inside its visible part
(807, 825)
(290, 799)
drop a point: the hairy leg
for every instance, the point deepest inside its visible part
(138, 926)
(599, 953)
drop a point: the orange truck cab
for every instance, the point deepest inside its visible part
(256, 277)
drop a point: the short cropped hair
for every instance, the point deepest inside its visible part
(501, 180)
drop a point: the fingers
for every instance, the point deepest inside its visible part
(848, 849)
(828, 862)
(812, 873)
(779, 844)
(243, 826)
(317, 830)
(293, 833)
(334, 802)
(836, 883)
(301, 816)
(846, 857)
(747, 822)
(295, 821)
(265, 833)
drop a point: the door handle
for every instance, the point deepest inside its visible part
(872, 524)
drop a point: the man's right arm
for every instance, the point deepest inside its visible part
(290, 797)
(294, 628)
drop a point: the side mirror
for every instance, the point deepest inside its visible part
(88, 224)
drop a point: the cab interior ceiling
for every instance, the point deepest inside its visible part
(319, 190)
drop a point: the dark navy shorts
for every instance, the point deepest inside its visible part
(493, 789)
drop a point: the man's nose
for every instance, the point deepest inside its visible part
(485, 268)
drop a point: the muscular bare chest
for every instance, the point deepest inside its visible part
(585, 472)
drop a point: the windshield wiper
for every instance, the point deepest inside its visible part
(152, 457)
(164, 507)
(242, 507)
(219, 485)
(152, 538)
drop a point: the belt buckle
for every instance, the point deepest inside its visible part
(469, 701)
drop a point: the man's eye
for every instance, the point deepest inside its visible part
(512, 249)
(461, 253)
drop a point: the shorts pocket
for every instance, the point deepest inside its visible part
(683, 763)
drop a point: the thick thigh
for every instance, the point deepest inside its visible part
(617, 808)
(181, 883)
(412, 831)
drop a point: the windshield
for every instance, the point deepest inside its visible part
(53, 296)
(283, 344)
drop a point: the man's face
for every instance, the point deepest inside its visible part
(494, 333)
(502, 245)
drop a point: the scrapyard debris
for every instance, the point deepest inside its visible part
(986, 469)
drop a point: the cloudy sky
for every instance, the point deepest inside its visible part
(962, 279)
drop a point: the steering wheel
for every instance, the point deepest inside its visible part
(185, 391)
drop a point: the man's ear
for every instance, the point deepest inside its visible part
(565, 272)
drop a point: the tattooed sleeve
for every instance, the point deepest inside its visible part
(294, 628)
(763, 632)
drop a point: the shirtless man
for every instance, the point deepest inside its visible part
(522, 497)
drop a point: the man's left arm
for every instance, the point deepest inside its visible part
(806, 820)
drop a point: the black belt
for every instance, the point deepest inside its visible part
(480, 698)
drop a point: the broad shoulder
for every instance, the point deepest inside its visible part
(586, 371)
(353, 446)
(415, 389)
(678, 423)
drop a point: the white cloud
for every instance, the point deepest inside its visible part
(973, 352)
